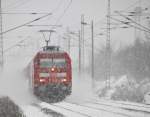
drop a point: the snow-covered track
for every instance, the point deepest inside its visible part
(124, 105)
(82, 110)
(47, 111)
(68, 112)
(100, 109)
(112, 107)
(93, 108)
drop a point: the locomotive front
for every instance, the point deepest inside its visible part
(52, 77)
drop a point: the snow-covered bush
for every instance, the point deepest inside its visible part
(124, 89)
(133, 61)
(9, 109)
(126, 93)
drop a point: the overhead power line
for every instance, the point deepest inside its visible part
(45, 25)
(6, 50)
(64, 11)
(18, 4)
(10, 4)
(22, 13)
(26, 23)
(128, 23)
(133, 21)
(32, 13)
(131, 6)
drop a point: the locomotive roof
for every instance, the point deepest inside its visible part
(51, 49)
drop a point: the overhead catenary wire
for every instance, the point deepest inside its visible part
(47, 14)
(133, 21)
(18, 4)
(33, 13)
(103, 23)
(45, 25)
(13, 46)
(65, 10)
(57, 7)
(22, 13)
(99, 21)
(11, 4)
(128, 23)
(17, 43)
(26, 23)
(86, 43)
(21, 4)
(131, 6)
(59, 4)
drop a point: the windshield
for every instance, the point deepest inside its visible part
(49, 62)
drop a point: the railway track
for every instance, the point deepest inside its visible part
(124, 110)
(124, 105)
(91, 109)
(101, 109)
(47, 111)
(35, 110)
(70, 109)
(68, 112)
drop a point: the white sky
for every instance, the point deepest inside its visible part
(92, 9)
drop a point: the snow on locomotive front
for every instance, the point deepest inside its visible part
(52, 74)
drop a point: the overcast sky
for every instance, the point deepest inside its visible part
(92, 9)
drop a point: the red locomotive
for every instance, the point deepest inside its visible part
(51, 74)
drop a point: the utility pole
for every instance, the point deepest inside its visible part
(78, 34)
(82, 42)
(83, 23)
(69, 40)
(138, 13)
(79, 52)
(92, 34)
(108, 51)
(1, 38)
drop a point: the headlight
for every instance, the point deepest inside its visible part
(64, 80)
(52, 69)
(42, 80)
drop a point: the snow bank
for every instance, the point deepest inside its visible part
(81, 88)
(9, 108)
(124, 89)
(13, 82)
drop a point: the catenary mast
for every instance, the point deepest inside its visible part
(1, 38)
(108, 51)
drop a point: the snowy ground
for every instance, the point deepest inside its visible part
(81, 103)
(86, 109)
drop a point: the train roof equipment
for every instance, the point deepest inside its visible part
(51, 48)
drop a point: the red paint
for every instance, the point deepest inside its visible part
(51, 71)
